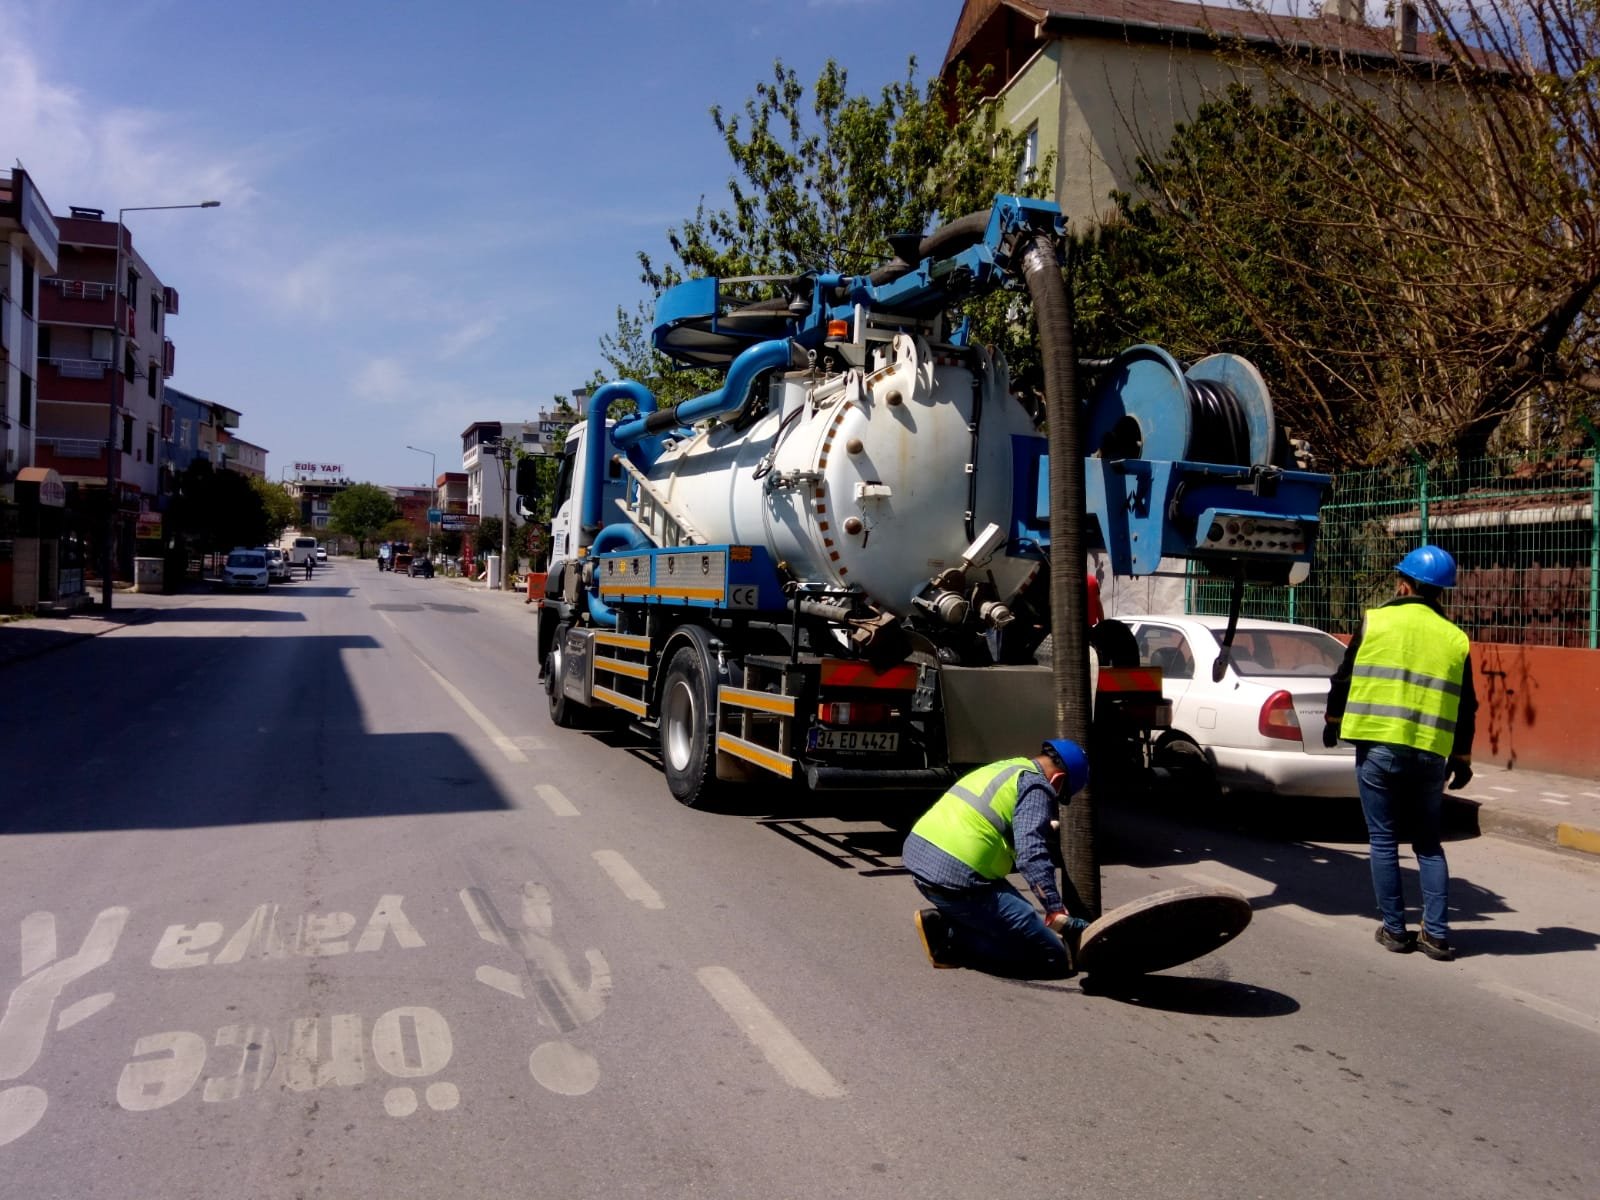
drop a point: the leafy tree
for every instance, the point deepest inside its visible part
(486, 537)
(822, 179)
(1416, 252)
(218, 509)
(360, 511)
(280, 508)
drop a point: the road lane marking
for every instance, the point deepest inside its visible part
(1593, 795)
(630, 881)
(1553, 799)
(1550, 1008)
(1494, 787)
(798, 1067)
(506, 746)
(556, 801)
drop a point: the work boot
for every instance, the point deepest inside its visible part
(1072, 937)
(1438, 949)
(935, 935)
(1397, 943)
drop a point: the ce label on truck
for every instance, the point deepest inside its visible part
(743, 595)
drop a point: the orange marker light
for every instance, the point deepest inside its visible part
(838, 329)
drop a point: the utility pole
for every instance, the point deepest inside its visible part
(505, 514)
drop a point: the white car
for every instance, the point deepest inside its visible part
(277, 563)
(1260, 726)
(322, 554)
(246, 569)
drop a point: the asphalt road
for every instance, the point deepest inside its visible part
(304, 896)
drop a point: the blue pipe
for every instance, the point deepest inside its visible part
(594, 446)
(730, 397)
(612, 537)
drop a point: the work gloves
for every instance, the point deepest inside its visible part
(1330, 734)
(1460, 774)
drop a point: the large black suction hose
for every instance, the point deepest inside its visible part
(1069, 625)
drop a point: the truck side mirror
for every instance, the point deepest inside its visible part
(528, 482)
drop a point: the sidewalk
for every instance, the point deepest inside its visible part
(1559, 811)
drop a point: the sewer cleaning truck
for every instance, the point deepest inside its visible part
(833, 568)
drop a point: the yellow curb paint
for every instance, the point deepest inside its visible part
(1575, 837)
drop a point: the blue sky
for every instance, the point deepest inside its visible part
(430, 213)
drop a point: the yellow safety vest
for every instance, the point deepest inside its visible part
(972, 821)
(1405, 685)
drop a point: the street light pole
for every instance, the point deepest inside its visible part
(113, 451)
(433, 482)
(505, 514)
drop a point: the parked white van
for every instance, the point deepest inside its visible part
(302, 550)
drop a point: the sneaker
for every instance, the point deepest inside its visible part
(1396, 943)
(1438, 949)
(935, 936)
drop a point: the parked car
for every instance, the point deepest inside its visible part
(246, 569)
(322, 553)
(277, 563)
(1259, 728)
(422, 566)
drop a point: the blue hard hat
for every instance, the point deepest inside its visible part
(1429, 565)
(1073, 761)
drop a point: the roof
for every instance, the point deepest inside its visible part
(1162, 19)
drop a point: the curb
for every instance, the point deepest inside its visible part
(1525, 827)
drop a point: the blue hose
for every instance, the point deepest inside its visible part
(612, 537)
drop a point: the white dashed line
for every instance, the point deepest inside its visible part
(1494, 787)
(630, 881)
(557, 803)
(778, 1046)
(506, 746)
(1550, 1008)
(1552, 799)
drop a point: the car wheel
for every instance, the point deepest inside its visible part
(1189, 774)
(688, 732)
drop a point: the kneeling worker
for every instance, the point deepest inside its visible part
(992, 821)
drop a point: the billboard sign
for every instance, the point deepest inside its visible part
(457, 522)
(319, 468)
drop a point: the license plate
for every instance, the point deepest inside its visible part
(853, 740)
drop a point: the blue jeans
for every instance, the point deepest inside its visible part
(994, 929)
(1400, 784)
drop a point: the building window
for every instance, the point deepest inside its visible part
(25, 402)
(130, 369)
(155, 314)
(127, 434)
(27, 287)
(149, 445)
(100, 345)
(1030, 155)
(133, 289)
(150, 381)
(44, 341)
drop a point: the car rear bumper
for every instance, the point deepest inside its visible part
(1288, 772)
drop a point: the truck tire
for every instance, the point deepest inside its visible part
(563, 712)
(688, 730)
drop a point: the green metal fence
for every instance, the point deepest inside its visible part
(1524, 533)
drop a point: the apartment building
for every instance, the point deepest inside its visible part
(104, 357)
(489, 446)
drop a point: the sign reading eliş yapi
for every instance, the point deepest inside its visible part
(316, 468)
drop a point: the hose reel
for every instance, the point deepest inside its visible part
(1147, 406)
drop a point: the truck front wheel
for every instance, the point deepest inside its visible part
(688, 753)
(562, 710)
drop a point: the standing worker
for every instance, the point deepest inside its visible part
(993, 820)
(1404, 696)
(308, 565)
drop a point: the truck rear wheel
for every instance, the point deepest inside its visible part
(688, 730)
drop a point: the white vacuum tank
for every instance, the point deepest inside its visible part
(862, 479)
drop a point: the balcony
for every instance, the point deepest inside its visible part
(76, 380)
(76, 302)
(71, 456)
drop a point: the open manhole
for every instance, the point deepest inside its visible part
(1162, 930)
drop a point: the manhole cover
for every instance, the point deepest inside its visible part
(1163, 930)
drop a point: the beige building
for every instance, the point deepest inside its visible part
(1093, 81)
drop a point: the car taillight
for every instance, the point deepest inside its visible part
(1278, 719)
(853, 714)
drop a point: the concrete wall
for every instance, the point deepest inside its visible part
(1537, 707)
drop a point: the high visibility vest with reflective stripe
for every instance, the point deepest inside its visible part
(972, 821)
(1405, 685)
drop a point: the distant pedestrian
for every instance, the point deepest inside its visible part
(308, 566)
(1404, 696)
